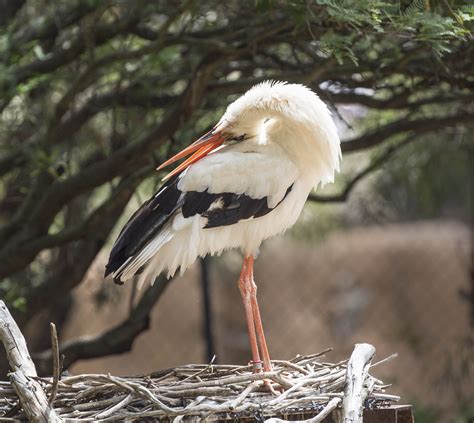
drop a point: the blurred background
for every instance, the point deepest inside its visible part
(94, 94)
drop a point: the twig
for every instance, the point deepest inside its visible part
(56, 363)
(326, 410)
(199, 372)
(299, 358)
(331, 405)
(385, 360)
(291, 365)
(245, 393)
(115, 340)
(109, 411)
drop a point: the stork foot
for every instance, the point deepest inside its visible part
(269, 386)
(258, 367)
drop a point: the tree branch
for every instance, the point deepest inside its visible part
(116, 340)
(418, 126)
(69, 273)
(14, 343)
(94, 220)
(9, 9)
(32, 397)
(397, 102)
(70, 51)
(55, 20)
(372, 167)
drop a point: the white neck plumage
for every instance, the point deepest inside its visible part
(313, 145)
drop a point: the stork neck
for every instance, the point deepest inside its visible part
(309, 147)
(293, 140)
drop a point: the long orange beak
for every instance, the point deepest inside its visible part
(204, 145)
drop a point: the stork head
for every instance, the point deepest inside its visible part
(289, 114)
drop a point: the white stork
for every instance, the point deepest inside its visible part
(247, 180)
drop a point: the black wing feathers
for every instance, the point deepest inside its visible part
(226, 208)
(233, 208)
(145, 224)
(197, 202)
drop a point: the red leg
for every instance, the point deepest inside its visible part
(267, 365)
(245, 291)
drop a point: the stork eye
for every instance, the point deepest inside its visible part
(240, 137)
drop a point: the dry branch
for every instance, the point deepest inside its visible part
(29, 391)
(33, 399)
(56, 363)
(359, 384)
(115, 340)
(14, 343)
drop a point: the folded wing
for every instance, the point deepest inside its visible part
(223, 189)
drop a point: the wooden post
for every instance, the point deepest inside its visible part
(32, 397)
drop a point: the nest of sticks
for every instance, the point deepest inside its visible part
(305, 385)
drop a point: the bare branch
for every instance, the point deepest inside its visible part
(419, 126)
(63, 55)
(70, 51)
(56, 363)
(374, 165)
(56, 19)
(14, 343)
(116, 340)
(359, 384)
(9, 9)
(398, 102)
(127, 159)
(32, 397)
(68, 274)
